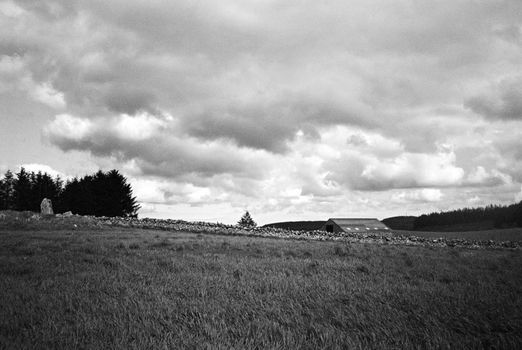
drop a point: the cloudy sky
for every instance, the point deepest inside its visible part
(290, 109)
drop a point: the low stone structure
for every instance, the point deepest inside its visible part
(46, 207)
(361, 226)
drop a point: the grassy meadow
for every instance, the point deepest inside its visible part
(505, 234)
(144, 289)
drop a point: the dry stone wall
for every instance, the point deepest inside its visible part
(11, 219)
(384, 237)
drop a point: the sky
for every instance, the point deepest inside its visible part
(292, 110)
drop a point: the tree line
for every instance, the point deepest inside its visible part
(500, 216)
(100, 194)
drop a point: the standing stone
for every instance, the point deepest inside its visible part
(46, 207)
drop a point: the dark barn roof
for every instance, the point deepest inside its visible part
(359, 224)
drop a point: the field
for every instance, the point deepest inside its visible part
(137, 289)
(506, 234)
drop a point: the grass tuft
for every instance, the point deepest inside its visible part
(134, 246)
(341, 251)
(363, 269)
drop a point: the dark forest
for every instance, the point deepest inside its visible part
(100, 194)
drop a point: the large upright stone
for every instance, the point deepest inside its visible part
(46, 207)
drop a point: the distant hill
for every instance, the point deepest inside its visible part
(471, 219)
(298, 225)
(411, 223)
(463, 227)
(400, 222)
(459, 220)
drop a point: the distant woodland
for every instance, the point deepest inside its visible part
(100, 194)
(466, 219)
(496, 215)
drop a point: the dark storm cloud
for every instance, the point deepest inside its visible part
(271, 127)
(511, 32)
(511, 147)
(255, 131)
(503, 101)
(152, 145)
(124, 100)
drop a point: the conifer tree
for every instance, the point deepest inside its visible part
(22, 190)
(518, 214)
(7, 191)
(246, 220)
(101, 194)
(121, 195)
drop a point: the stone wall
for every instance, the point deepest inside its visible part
(23, 220)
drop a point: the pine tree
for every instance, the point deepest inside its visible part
(34, 191)
(113, 195)
(3, 196)
(22, 191)
(101, 194)
(57, 202)
(121, 201)
(71, 196)
(7, 191)
(246, 220)
(518, 214)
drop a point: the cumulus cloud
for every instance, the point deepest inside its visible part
(475, 200)
(422, 195)
(369, 172)
(265, 76)
(518, 196)
(155, 147)
(481, 177)
(44, 169)
(66, 127)
(154, 191)
(48, 95)
(10, 9)
(272, 127)
(413, 170)
(308, 106)
(13, 75)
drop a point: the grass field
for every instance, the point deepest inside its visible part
(506, 234)
(143, 289)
